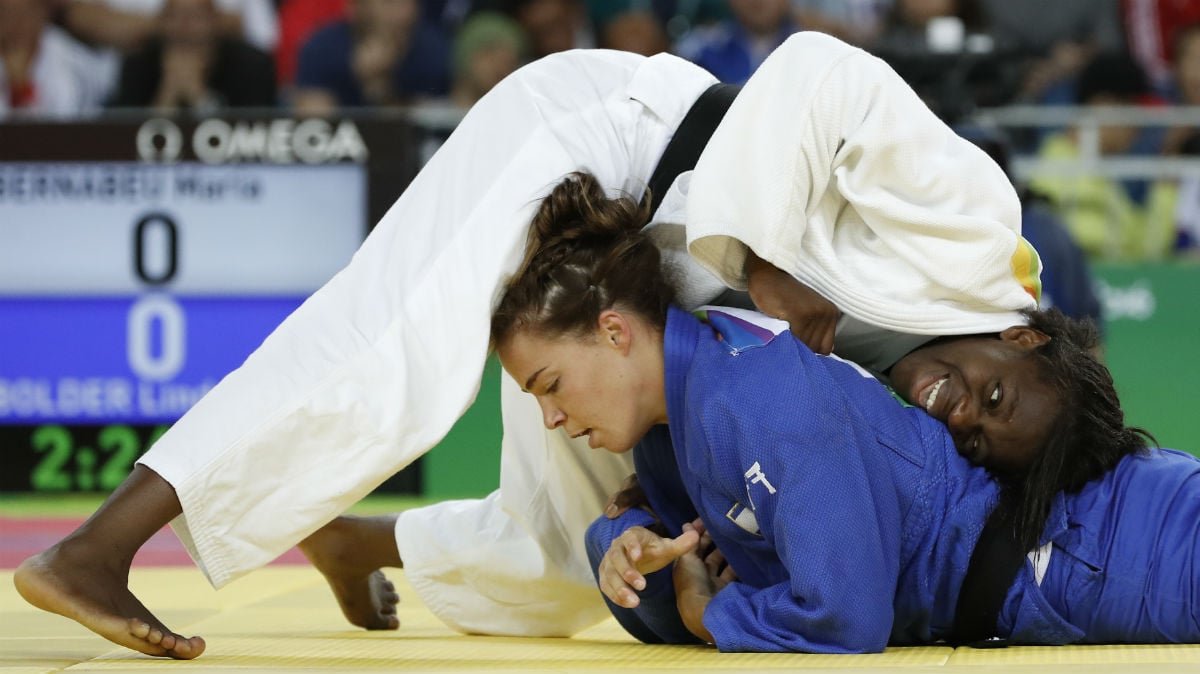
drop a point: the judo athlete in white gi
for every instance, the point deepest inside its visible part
(841, 176)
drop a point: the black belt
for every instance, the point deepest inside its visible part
(690, 138)
(995, 562)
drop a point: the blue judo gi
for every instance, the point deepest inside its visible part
(849, 517)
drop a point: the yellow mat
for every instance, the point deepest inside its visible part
(283, 618)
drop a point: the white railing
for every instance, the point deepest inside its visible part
(1088, 120)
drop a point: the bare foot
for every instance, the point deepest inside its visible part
(349, 552)
(68, 580)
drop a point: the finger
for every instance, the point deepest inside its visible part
(727, 574)
(715, 561)
(626, 564)
(614, 587)
(686, 542)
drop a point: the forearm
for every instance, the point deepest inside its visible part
(101, 25)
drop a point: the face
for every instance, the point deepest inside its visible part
(386, 18)
(606, 386)
(988, 392)
(919, 12)
(189, 22)
(491, 64)
(1187, 67)
(551, 24)
(760, 16)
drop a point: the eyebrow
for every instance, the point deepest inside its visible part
(532, 378)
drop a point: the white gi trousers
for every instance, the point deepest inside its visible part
(375, 367)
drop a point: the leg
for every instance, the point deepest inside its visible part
(85, 577)
(351, 552)
(377, 365)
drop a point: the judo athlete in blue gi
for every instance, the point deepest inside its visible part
(846, 518)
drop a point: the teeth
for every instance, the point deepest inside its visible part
(934, 393)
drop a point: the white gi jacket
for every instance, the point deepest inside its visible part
(376, 366)
(830, 167)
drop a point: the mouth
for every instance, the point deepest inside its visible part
(580, 434)
(971, 450)
(928, 396)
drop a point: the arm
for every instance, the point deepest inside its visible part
(812, 318)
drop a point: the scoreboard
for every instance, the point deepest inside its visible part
(143, 259)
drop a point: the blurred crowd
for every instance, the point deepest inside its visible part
(67, 59)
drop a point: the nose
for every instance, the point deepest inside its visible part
(963, 422)
(552, 417)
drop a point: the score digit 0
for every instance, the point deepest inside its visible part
(163, 363)
(140, 233)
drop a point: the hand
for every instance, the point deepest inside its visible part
(635, 553)
(184, 78)
(812, 318)
(631, 495)
(698, 576)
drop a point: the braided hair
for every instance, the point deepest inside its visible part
(1088, 438)
(585, 254)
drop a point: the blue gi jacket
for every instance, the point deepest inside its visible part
(850, 519)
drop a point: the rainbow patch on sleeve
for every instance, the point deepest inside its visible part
(1027, 269)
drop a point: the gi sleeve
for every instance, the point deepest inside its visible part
(830, 167)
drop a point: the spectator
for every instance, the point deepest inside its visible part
(1108, 218)
(912, 26)
(635, 30)
(487, 48)
(733, 49)
(677, 17)
(856, 21)
(381, 54)
(125, 25)
(298, 20)
(44, 72)
(192, 67)
(1187, 212)
(946, 51)
(553, 25)
(1186, 141)
(1150, 26)
(1054, 40)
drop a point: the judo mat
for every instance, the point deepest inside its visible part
(283, 618)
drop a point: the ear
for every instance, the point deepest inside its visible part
(614, 330)
(1024, 336)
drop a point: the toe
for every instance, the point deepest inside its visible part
(139, 628)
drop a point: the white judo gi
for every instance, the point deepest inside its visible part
(377, 365)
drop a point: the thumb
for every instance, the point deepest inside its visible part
(686, 542)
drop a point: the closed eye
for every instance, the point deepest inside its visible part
(552, 387)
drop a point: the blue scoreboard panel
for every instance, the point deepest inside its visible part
(142, 260)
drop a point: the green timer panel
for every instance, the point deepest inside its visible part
(61, 458)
